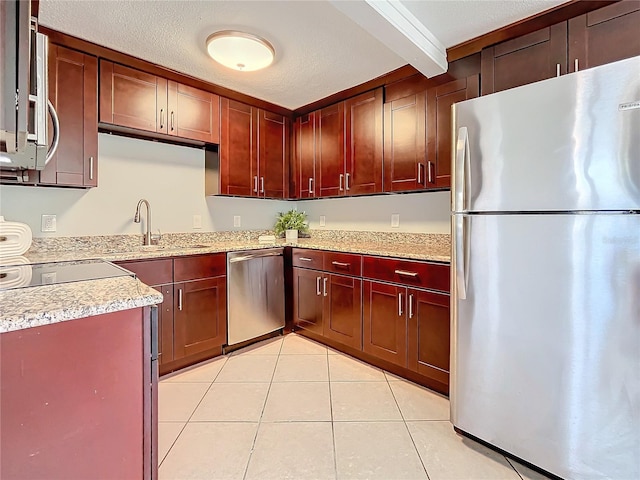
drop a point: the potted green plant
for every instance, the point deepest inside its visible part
(290, 223)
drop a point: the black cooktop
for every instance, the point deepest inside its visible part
(37, 274)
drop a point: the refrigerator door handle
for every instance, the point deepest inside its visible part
(461, 167)
(460, 257)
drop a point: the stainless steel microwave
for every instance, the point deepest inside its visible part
(24, 142)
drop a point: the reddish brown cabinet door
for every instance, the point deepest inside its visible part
(429, 335)
(131, 98)
(193, 113)
(200, 316)
(439, 134)
(530, 58)
(307, 299)
(342, 310)
(384, 324)
(363, 135)
(165, 324)
(305, 156)
(605, 35)
(238, 154)
(73, 91)
(405, 143)
(273, 154)
(330, 150)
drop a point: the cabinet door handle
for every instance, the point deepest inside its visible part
(411, 305)
(346, 181)
(310, 185)
(161, 118)
(429, 175)
(255, 184)
(406, 273)
(305, 259)
(557, 69)
(179, 299)
(261, 184)
(575, 65)
(340, 184)
(90, 168)
(341, 264)
(318, 285)
(400, 304)
(324, 286)
(172, 121)
(419, 174)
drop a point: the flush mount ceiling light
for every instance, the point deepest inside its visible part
(240, 51)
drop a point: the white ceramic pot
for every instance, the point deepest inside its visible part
(291, 235)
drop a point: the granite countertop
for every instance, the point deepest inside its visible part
(36, 306)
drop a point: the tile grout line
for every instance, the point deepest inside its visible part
(512, 466)
(404, 421)
(333, 430)
(255, 437)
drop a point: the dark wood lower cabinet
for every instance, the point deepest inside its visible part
(200, 322)
(385, 322)
(343, 309)
(165, 324)
(429, 334)
(307, 299)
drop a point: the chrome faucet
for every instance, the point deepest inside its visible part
(136, 219)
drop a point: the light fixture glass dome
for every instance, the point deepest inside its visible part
(239, 50)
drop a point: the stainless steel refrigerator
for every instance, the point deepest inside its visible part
(546, 272)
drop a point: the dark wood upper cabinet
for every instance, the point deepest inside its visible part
(526, 59)
(429, 335)
(193, 113)
(363, 139)
(305, 156)
(439, 135)
(330, 150)
(273, 154)
(73, 91)
(384, 324)
(605, 35)
(254, 151)
(405, 143)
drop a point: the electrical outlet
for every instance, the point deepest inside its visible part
(236, 221)
(49, 278)
(395, 220)
(323, 220)
(48, 223)
(197, 221)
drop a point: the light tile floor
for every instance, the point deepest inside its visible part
(293, 409)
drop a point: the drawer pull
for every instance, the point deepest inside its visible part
(306, 259)
(405, 273)
(341, 264)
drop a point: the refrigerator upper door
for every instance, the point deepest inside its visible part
(563, 144)
(546, 343)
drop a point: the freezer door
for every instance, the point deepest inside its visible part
(563, 144)
(546, 344)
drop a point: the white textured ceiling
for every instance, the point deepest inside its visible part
(319, 51)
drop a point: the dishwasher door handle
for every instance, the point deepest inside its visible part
(244, 258)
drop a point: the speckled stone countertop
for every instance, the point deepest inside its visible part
(36, 306)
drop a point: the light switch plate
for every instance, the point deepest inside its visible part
(395, 220)
(236, 221)
(323, 220)
(197, 221)
(48, 223)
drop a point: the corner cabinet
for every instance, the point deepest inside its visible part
(73, 91)
(254, 151)
(137, 100)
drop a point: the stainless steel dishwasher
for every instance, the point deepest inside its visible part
(255, 293)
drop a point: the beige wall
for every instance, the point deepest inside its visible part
(171, 177)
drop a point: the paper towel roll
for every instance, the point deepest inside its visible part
(15, 272)
(15, 238)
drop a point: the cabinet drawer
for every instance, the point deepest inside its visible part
(344, 263)
(307, 258)
(151, 272)
(419, 274)
(199, 266)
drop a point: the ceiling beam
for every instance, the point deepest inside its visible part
(395, 26)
